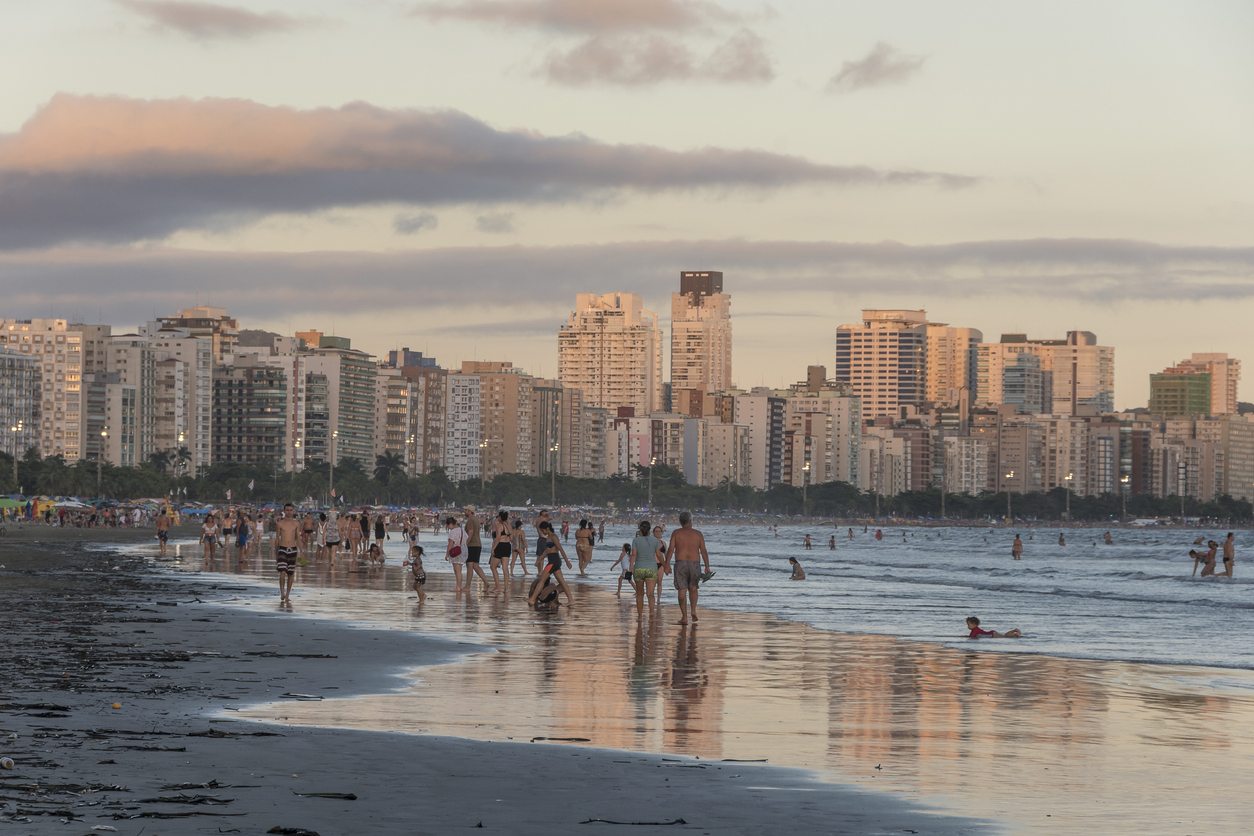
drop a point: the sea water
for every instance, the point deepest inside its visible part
(1135, 600)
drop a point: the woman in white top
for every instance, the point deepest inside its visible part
(456, 551)
(209, 536)
(260, 528)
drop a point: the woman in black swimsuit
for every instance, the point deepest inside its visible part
(552, 552)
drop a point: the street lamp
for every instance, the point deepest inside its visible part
(652, 462)
(104, 435)
(1124, 490)
(553, 475)
(1069, 478)
(413, 455)
(16, 430)
(1009, 476)
(483, 470)
(805, 485)
(334, 435)
(178, 463)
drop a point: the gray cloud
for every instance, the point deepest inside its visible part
(116, 170)
(882, 65)
(495, 223)
(409, 224)
(634, 60)
(212, 20)
(1092, 272)
(583, 16)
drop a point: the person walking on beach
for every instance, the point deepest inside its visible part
(543, 517)
(1016, 549)
(307, 529)
(163, 531)
(1230, 555)
(601, 532)
(584, 539)
(209, 536)
(518, 548)
(551, 556)
(688, 549)
(502, 546)
(474, 549)
(663, 568)
(646, 557)
(286, 550)
(798, 574)
(455, 551)
(624, 569)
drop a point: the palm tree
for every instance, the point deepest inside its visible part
(182, 456)
(388, 465)
(161, 460)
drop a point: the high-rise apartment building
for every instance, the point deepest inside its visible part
(1172, 393)
(208, 322)
(250, 411)
(764, 413)
(131, 360)
(1008, 373)
(701, 334)
(611, 350)
(1077, 374)
(57, 350)
(505, 412)
(951, 355)
(350, 377)
(21, 393)
(463, 425)
(883, 360)
(1225, 374)
(183, 402)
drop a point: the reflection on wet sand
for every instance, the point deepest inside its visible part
(1045, 744)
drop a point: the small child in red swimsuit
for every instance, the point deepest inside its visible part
(974, 624)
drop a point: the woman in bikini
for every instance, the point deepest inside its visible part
(209, 536)
(584, 538)
(552, 554)
(518, 546)
(662, 569)
(502, 547)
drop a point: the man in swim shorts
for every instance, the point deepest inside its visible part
(687, 546)
(163, 530)
(286, 549)
(1230, 556)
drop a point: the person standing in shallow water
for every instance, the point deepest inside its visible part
(1016, 550)
(688, 549)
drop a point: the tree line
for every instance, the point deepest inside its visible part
(387, 483)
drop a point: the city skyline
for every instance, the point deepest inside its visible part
(460, 170)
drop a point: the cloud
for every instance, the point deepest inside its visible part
(211, 20)
(634, 60)
(583, 16)
(496, 223)
(409, 224)
(883, 65)
(1090, 272)
(118, 170)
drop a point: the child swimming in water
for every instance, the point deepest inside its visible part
(973, 624)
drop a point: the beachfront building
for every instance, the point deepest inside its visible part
(882, 360)
(463, 425)
(611, 350)
(1209, 377)
(428, 395)
(505, 413)
(950, 355)
(350, 380)
(884, 462)
(131, 363)
(701, 338)
(183, 397)
(250, 410)
(1077, 374)
(210, 323)
(21, 390)
(1007, 373)
(57, 350)
(966, 465)
(765, 414)
(568, 433)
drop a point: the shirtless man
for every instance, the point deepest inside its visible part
(163, 531)
(1016, 548)
(306, 532)
(286, 548)
(687, 546)
(1230, 555)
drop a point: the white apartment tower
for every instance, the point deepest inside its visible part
(57, 349)
(701, 333)
(611, 350)
(950, 354)
(1077, 374)
(883, 360)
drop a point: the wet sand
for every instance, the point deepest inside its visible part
(1039, 744)
(85, 629)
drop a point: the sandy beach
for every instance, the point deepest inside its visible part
(87, 629)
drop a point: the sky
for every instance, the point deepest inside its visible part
(447, 175)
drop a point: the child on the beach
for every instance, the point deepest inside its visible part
(420, 576)
(546, 596)
(376, 554)
(624, 573)
(973, 624)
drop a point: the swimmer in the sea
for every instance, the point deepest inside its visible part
(973, 624)
(798, 574)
